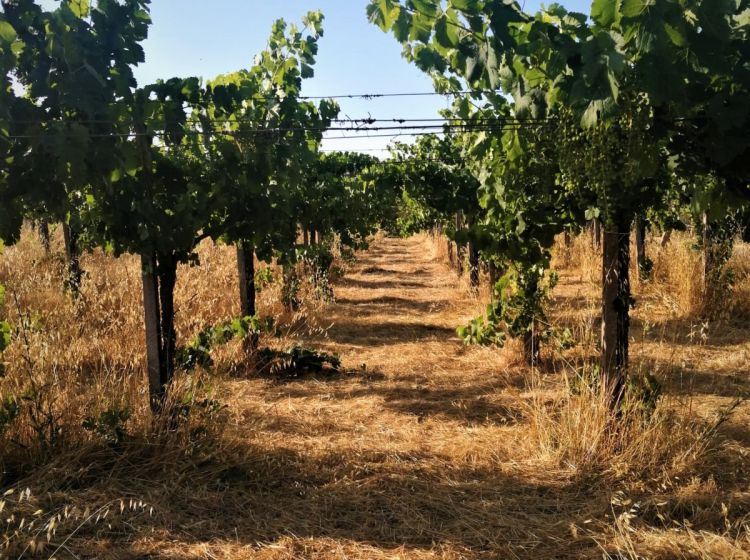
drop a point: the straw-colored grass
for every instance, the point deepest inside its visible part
(424, 449)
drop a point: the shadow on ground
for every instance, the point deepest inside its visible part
(385, 500)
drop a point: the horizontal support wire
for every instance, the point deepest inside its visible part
(398, 131)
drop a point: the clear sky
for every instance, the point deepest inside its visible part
(210, 37)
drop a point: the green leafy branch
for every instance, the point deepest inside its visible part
(518, 310)
(198, 352)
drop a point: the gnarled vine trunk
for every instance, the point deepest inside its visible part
(460, 250)
(709, 263)
(159, 277)
(73, 260)
(531, 346)
(473, 266)
(44, 235)
(596, 234)
(246, 271)
(494, 275)
(616, 301)
(473, 262)
(152, 325)
(640, 248)
(530, 286)
(167, 275)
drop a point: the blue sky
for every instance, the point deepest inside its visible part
(209, 37)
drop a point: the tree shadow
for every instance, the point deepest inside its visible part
(690, 332)
(738, 433)
(577, 301)
(383, 253)
(411, 395)
(259, 492)
(465, 405)
(384, 266)
(376, 305)
(385, 499)
(380, 284)
(380, 270)
(685, 382)
(383, 334)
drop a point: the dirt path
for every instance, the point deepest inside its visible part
(398, 308)
(395, 321)
(401, 459)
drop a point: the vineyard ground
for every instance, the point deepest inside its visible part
(427, 449)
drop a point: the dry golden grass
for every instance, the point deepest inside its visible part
(425, 449)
